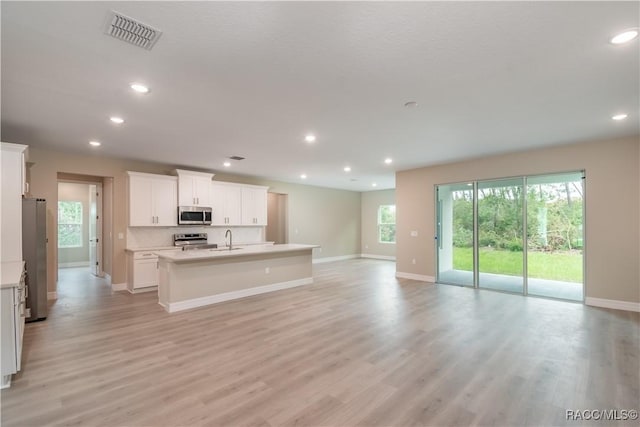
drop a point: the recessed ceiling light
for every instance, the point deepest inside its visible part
(624, 37)
(94, 143)
(388, 160)
(619, 117)
(347, 169)
(303, 176)
(117, 120)
(310, 138)
(374, 185)
(227, 164)
(140, 88)
(411, 104)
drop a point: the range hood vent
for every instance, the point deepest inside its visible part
(131, 31)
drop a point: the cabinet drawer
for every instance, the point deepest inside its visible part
(145, 255)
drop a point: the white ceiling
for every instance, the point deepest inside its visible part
(251, 79)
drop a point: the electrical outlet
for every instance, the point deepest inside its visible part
(120, 236)
(413, 261)
(366, 246)
(266, 270)
(320, 250)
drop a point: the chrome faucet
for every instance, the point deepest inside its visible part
(228, 232)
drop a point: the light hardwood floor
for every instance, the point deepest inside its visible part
(356, 348)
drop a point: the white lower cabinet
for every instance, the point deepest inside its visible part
(12, 301)
(142, 271)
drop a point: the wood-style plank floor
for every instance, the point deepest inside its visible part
(357, 348)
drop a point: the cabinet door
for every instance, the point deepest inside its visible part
(141, 201)
(217, 200)
(254, 206)
(201, 186)
(11, 171)
(186, 191)
(260, 206)
(234, 205)
(165, 202)
(145, 273)
(8, 326)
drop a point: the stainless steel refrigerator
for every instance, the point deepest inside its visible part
(34, 253)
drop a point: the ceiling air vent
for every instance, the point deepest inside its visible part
(236, 158)
(131, 31)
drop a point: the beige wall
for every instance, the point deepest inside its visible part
(76, 193)
(371, 200)
(316, 215)
(612, 225)
(327, 217)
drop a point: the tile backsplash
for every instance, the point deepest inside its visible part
(151, 237)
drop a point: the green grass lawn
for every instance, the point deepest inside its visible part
(564, 266)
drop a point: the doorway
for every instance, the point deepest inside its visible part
(520, 235)
(80, 243)
(277, 221)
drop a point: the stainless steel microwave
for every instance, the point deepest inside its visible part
(194, 215)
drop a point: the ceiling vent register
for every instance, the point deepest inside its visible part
(131, 31)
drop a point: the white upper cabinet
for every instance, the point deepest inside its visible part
(226, 199)
(237, 204)
(194, 188)
(153, 200)
(13, 186)
(254, 205)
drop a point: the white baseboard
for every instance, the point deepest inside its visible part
(52, 295)
(73, 264)
(412, 276)
(228, 296)
(115, 287)
(612, 303)
(334, 258)
(143, 290)
(372, 256)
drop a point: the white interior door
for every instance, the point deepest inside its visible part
(95, 229)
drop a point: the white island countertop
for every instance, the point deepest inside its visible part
(212, 254)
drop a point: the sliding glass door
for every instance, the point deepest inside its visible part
(520, 235)
(455, 234)
(554, 236)
(500, 235)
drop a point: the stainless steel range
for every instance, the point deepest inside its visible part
(188, 241)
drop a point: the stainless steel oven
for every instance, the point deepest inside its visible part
(194, 215)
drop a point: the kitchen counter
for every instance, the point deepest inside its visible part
(167, 248)
(246, 251)
(11, 273)
(201, 277)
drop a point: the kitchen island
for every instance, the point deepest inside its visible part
(189, 279)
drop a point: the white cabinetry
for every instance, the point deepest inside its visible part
(142, 271)
(254, 205)
(226, 200)
(238, 204)
(12, 302)
(13, 181)
(153, 200)
(193, 188)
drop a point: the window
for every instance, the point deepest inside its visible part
(69, 224)
(387, 224)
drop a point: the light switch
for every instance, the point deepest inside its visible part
(414, 233)
(120, 236)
